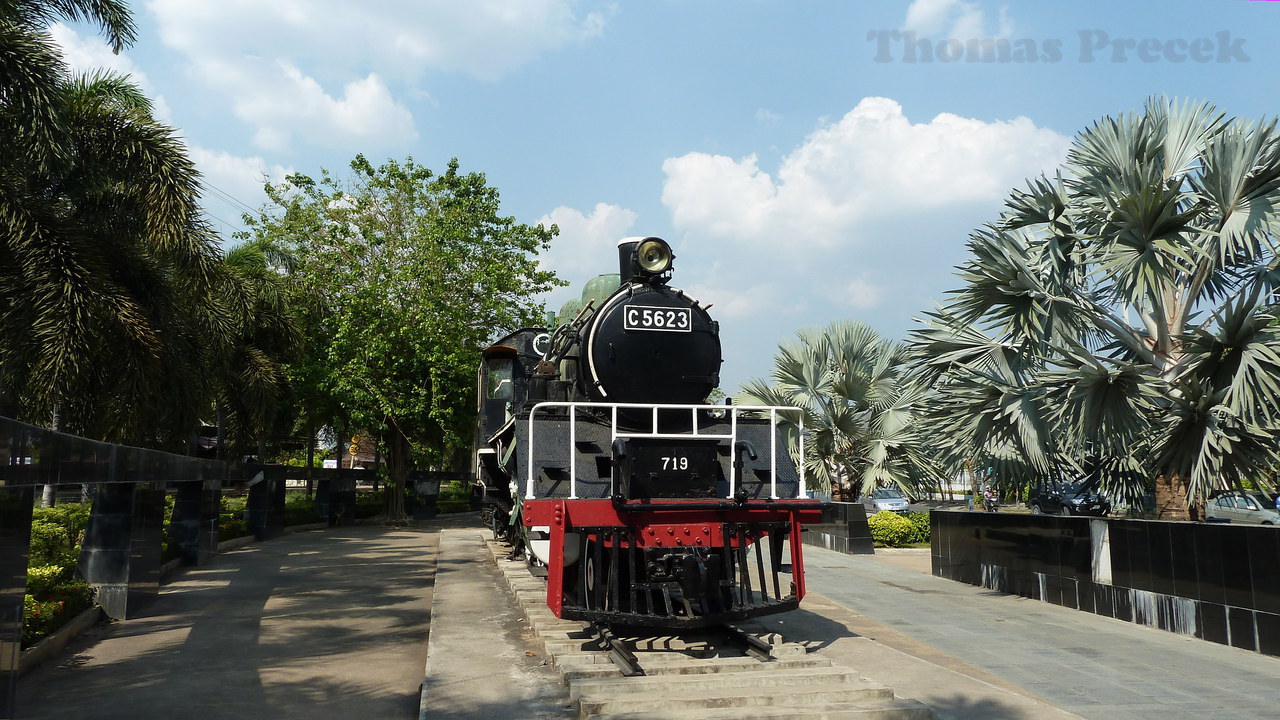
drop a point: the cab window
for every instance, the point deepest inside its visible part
(498, 382)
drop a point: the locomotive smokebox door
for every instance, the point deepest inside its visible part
(658, 468)
(651, 344)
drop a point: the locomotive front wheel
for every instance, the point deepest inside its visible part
(593, 568)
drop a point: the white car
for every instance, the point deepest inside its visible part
(1243, 507)
(886, 498)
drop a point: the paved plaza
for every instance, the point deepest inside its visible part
(1093, 666)
(322, 624)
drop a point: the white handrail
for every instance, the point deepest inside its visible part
(732, 437)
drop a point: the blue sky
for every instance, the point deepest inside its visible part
(809, 161)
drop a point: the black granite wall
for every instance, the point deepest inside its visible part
(1217, 582)
(843, 529)
(120, 555)
(266, 501)
(195, 520)
(15, 542)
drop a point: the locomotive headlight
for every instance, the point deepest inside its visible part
(654, 256)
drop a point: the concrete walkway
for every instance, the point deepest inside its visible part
(1093, 666)
(484, 663)
(323, 624)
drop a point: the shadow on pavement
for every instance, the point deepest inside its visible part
(317, 624)
(958, 707)
(806, 628)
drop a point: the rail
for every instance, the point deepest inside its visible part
(732, 411)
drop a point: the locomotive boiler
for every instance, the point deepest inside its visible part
(599, 456)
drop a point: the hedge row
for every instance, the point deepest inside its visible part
(890, 529)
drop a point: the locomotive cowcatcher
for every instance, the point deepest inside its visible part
(598, 454)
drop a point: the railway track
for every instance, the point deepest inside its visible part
(741, 673)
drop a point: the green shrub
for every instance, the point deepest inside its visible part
(890, 529)
(368, 504)
(42, 579)
(53, 597)
(919, 527)
(231, 518)
(56, 533)
(43, 615)
(299, 509)
(48, 543)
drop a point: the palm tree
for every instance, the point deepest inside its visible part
(32, 71)
(252, 378)
(1120, 320)
(106, 267)
(859, 409)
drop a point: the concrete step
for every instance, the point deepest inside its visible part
(658, 703)
(896, 709)
(593, 657)
(566, 632)
(538, 615)
(558, 646)
(650, 685)
(605, 667)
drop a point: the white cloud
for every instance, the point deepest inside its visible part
(483, 38)
(863, 220)
(265, 57)
(584, 246)
(239, 178)
(860, 294)
(955, 19)
(870, 165)
(744, 301)
(365, 114)
(86, 54)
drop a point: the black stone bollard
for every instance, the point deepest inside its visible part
(336, 500)
(195, 520)
(844, 529)
(266, 502)
(15, 544)
(120, 556)
(427, 487)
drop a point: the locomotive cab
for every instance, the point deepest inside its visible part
(502, 387)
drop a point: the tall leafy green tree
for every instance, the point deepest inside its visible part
(859, 409)
(105, 264)
(412, 272)
(1120, 321)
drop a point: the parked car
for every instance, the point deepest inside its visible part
(1060, 498)
(1243, 507)
(886, 498)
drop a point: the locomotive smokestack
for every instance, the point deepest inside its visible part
(627, 258)
(643, 258)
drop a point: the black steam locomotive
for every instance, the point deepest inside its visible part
(597, 452)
